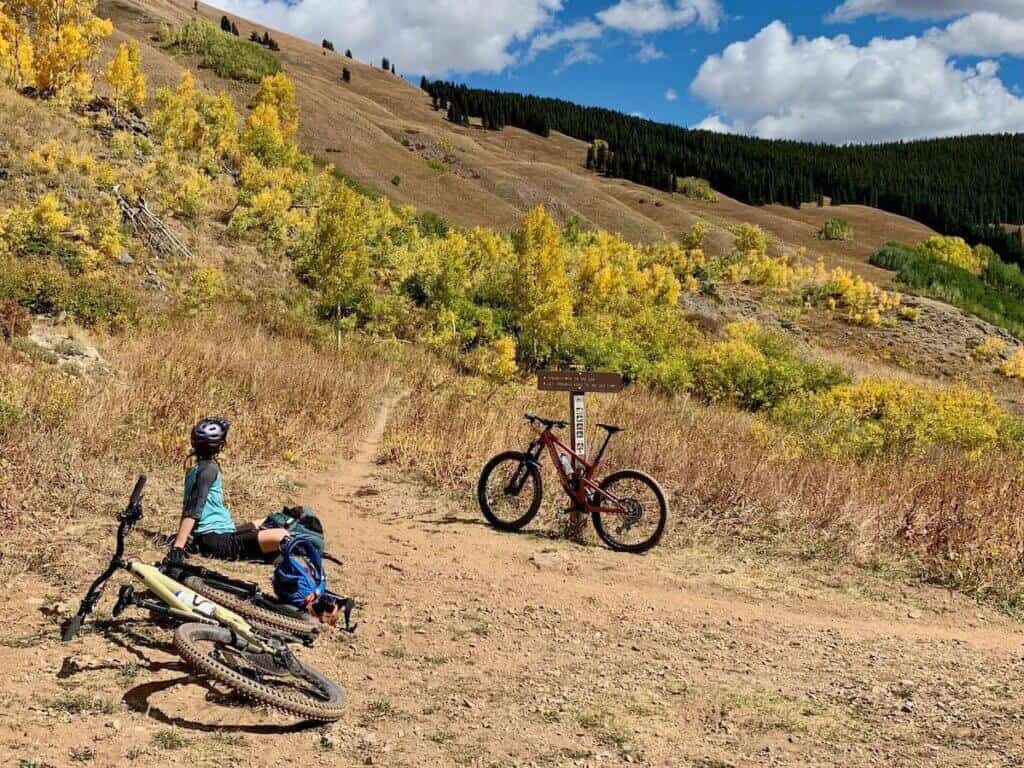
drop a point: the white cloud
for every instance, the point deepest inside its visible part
(830, 89)
(430, 38)
(981, 34)
(671, 95)
(647, 53)
(586, 29)
(923, 9)
(644, 16)
(579, 53)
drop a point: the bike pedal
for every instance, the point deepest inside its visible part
(125, 598)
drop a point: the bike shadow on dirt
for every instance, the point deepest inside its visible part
(126, 634)
(540, 533)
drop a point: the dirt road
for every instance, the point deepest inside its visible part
(480, 648)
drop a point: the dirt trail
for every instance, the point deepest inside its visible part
(479, 648)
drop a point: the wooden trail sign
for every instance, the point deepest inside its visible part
(577, 384)
(579, 381)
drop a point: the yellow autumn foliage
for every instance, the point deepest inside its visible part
(63, 40)
(125, 77)
(876, 417)
(956, 251)
(989, 349)
(1014, 367)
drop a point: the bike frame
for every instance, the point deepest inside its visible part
(580, 487)
(182, 603)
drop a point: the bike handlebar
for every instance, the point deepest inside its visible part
(133, 512)
(548, 423)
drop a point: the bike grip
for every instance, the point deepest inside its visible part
(137, 491)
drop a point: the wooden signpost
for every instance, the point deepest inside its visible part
(577, 384)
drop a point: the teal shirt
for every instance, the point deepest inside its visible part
(204, 499)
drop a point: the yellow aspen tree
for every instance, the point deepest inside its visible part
(542, 298)
(65, 37)
(16, 52)
(264, 137)
(125, 77)
(278, 91)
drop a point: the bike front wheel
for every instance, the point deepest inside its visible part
(637, 522)
(510, 490)
(284, 682)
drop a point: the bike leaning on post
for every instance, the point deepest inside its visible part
(628, 507)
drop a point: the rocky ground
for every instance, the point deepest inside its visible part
(486, 649)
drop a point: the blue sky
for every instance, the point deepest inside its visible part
(829, 70)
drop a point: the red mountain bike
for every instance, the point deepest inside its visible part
(628, 507)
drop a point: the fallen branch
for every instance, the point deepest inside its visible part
(148, 227)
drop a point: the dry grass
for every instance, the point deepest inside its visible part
(940, 516)
(74, 444)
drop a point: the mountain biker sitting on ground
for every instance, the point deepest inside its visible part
(204, 517)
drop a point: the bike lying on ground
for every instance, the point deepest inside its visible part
(248, 600)
(628, 507)
(252, 660)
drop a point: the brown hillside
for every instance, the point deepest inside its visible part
(379, 127)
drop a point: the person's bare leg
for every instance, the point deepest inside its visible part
(270, 539)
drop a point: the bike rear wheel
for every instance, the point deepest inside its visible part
(303, 626)
(510, 490)
(642, 522)
(294, 687)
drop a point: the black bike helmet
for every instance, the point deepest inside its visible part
(210, 436)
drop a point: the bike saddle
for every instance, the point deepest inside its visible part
(611, 428)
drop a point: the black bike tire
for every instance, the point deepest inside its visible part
(645, 545)
(306, 707)
(538, 491)
(305, 628)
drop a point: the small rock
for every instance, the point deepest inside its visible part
(914, 614)
(326, 741)
(125, 259)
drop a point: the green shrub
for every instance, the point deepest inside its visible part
(229, 56)
(755, 369)
(696, 189)
(432, 225)
(836, 229)
(42, 288)
(997, 295)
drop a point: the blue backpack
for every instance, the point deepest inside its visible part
(299, 578)
(300, 522)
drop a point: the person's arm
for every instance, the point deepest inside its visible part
(196, 502)
(192, 511)
(184, 531)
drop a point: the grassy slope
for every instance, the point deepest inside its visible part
(494, 177)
